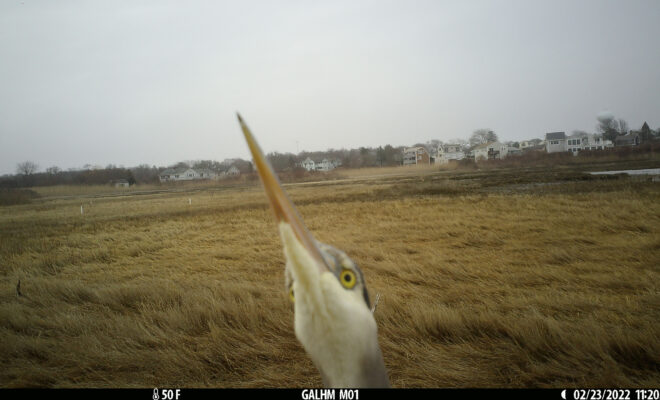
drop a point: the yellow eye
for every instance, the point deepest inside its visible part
(347, 278)
(291, 296)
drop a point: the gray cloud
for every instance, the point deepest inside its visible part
(158, 82)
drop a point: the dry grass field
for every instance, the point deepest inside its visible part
(507, 278)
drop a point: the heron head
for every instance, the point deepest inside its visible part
(332, 315)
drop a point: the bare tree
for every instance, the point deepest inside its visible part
(26, 168)
(54, 170)
(282, 161)
(481, 136)
(623, 126)
(181, 164)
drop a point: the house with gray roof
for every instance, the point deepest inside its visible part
(631, 139)
(449, 152)
(186, 174)
(555, 142)
(559, 142)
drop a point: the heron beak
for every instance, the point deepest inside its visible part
(285, 211)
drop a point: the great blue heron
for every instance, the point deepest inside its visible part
(333, 320)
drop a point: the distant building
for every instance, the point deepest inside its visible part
(323, 165)
(416, 155)
(531, 144)
(631, 139)
(525, 144)
(594, 141)
(233, 171)
(177, 174)
(206, 174)
(186, 174)
(559, 142)
(555, 142)
(449, 152)
(308, 164)
(122, 183)
(490, 151)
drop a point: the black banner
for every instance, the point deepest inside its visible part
(333, 394)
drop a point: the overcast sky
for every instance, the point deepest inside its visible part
(99, 82)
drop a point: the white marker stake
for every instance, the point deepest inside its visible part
(189, 201)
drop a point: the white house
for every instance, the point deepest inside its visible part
(323, 165)
(308, 164)
(490, 151)
(559, 142)
(186, 174)
(178, 174)
(121, 183)
(555, 142)
(233, 171)
(448, 152)
(595, 142)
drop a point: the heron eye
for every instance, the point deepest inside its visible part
(347, 278)
(291, 296)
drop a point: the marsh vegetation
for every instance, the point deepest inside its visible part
(542, 277)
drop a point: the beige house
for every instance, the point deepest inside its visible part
(416, 155)
(490, 151)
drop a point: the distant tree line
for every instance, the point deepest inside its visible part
(27, 172)
(55, 176)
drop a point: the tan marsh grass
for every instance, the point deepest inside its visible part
(481, 285)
